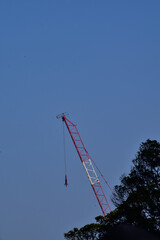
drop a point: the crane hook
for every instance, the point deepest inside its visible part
(66, 182)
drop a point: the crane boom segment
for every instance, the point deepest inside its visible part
(87, 164)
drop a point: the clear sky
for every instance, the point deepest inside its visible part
(97, 60)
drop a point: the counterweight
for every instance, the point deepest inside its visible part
(87, 164)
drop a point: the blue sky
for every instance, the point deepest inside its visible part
(97, 60)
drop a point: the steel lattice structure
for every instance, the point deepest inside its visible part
(87, 164)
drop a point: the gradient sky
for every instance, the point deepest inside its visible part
(97, 60)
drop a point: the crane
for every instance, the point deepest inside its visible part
(87, 164)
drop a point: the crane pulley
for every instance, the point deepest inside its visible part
(87, 164)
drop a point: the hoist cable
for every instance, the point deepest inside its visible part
(104, 179)
(64, 145)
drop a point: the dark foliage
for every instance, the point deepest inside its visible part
(128, 232)
(91, 231)
(138, 196)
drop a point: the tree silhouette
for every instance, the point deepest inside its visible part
(138, 196)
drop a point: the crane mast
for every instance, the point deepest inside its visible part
(87, 164)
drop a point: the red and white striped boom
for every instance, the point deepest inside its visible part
(87, 164)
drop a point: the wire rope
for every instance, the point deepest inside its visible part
(105, 180)
(64, 148)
